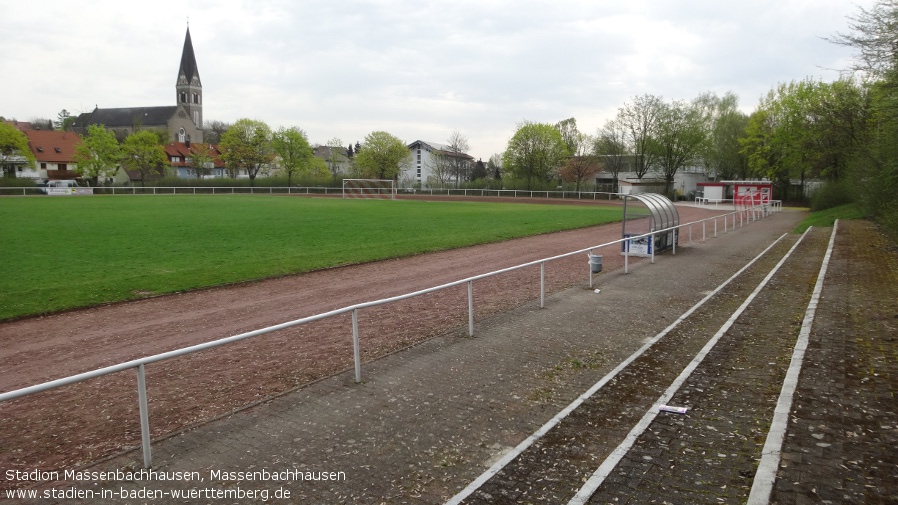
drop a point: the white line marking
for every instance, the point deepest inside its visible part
(511, 455)
(604, 470)
(762, 486)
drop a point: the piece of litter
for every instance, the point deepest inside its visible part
(670, 408)
(598, 291)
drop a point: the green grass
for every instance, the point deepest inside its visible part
(59, 253)
(826, 218)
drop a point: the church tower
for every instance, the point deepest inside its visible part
(189, 88)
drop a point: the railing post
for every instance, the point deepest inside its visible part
(715, 227)
(542, 285)
(627, 256)
(470, 308)
(144, 416)
(590, 268)
(355, 345)
(704, 226)
(652, 246)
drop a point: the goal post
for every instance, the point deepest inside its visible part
(384, 189)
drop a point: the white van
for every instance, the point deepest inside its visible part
(66, 187)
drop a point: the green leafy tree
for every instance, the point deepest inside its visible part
(247, 145)
(581, 162)
(725, 124)
(382, 157)
(64, 120)
(142, 152)
(806, 129)
(535, 152)
(678, 140)
(202, 159)
(291, 145)
(98, 155)
(874, 166)
(479, 170)
(13, 145)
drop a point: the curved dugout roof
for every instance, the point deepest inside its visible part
(664, 213)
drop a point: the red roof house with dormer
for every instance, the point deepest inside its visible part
(54, 154)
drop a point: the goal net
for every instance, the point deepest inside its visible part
(369, 188)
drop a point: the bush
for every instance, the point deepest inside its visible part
(17, 182)
(832, 194)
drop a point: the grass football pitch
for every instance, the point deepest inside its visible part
(58, 253)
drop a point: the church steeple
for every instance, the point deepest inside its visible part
(189, 89)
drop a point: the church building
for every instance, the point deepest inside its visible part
(182, 122)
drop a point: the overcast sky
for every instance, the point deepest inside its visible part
(419, 70)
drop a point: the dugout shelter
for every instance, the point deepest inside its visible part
(647, 213)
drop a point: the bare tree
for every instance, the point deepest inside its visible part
(873, 36)
(213, 130)
(440, 168)
(459, 160)
(639, 119)
(337, 157)
(611, 148)
(494, 167)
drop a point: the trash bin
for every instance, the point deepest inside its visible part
(595, 263)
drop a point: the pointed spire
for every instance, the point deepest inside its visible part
(188, 60)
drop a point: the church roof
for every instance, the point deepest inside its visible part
(188, 60)
(127, 116)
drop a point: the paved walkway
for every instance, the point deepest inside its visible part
(427, 421)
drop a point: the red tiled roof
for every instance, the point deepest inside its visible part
(181, 150)
(19, 125)
(52, 146)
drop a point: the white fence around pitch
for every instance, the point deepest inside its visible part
(316, 190)
(740, 218)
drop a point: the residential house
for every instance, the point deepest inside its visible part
(179, 157)
(54, 154)
(337, 159)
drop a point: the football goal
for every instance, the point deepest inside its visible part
(369, 188)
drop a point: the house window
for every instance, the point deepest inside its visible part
(175, 159)
(183, 97)
(181, 135)
(62, 166)
(43, 166)
(196, 98)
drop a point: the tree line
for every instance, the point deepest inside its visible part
(839, 132)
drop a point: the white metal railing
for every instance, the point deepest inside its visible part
(740, 216)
